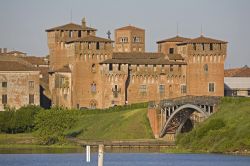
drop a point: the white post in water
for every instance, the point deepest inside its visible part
(87, 153)
(100, 155)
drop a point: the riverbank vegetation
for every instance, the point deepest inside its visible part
(227, 130)
(48, 127)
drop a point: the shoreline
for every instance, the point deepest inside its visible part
(60, 149)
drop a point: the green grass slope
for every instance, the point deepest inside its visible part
(129, 124)
(227, 130)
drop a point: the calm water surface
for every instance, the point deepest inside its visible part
(124, 159)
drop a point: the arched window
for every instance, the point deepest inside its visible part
(93, 87)
(93, 104)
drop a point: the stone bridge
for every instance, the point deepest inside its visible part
(172, 116)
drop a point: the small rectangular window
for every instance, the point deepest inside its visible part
(110, 67)
(211, 46)
(31, 99)
(119, 67)
(171, 50)
(31, 84)
(4, 99)
(194, 46)
(143, 89)
(183, 89)
(162, 89)
(248, 92)
(203, 46)
(4, 84)
(211, 87)
(97, 45)
(79, 33)
(171, 68)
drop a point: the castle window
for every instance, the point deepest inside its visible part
(93, 104)
(171, 50)
(93, 87)
(143, 89)
(110, 67)
(116, 91)
(31, 84)
(220, 46)
(4, 99)
(79, 33)
(119, 67)
(183, 89)
(171, 68)
(205, 68)
(194, 46)
(88, 32)
(248, 92)
(70, 34)
(211, 46)
(123, 40)
(97, 45)
(203, 46)
(31, 99)
(136, 39)
(4, 84)
(211, 87)
(162, 89)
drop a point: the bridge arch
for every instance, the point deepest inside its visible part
(190, 109)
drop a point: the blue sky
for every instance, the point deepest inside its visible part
(23, 22)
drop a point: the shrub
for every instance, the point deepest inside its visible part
(51, 124)
(18, 121)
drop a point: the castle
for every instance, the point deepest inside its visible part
(87, 71)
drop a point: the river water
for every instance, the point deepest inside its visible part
(124, 159)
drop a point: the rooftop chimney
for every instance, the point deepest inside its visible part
(83, 22)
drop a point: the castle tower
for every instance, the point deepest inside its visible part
(129, 39)
(169, 46)
(205, 59)
(57, 37)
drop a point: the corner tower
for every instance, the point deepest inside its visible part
(205, 59)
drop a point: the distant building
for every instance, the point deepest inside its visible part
(237, 82)
(4, 51)
(19, 83)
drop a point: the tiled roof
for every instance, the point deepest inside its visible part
(137, 55)
(11, 65)
(202, 39)
(70, 26)
(35, 60)
(175, 57)
(173, 39)
(89, 39)
(238, 72)
(16, 52)
(140, 59)
(129, 27)
(64, 69)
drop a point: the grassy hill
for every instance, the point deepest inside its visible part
(129, 124)
(227, 130)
